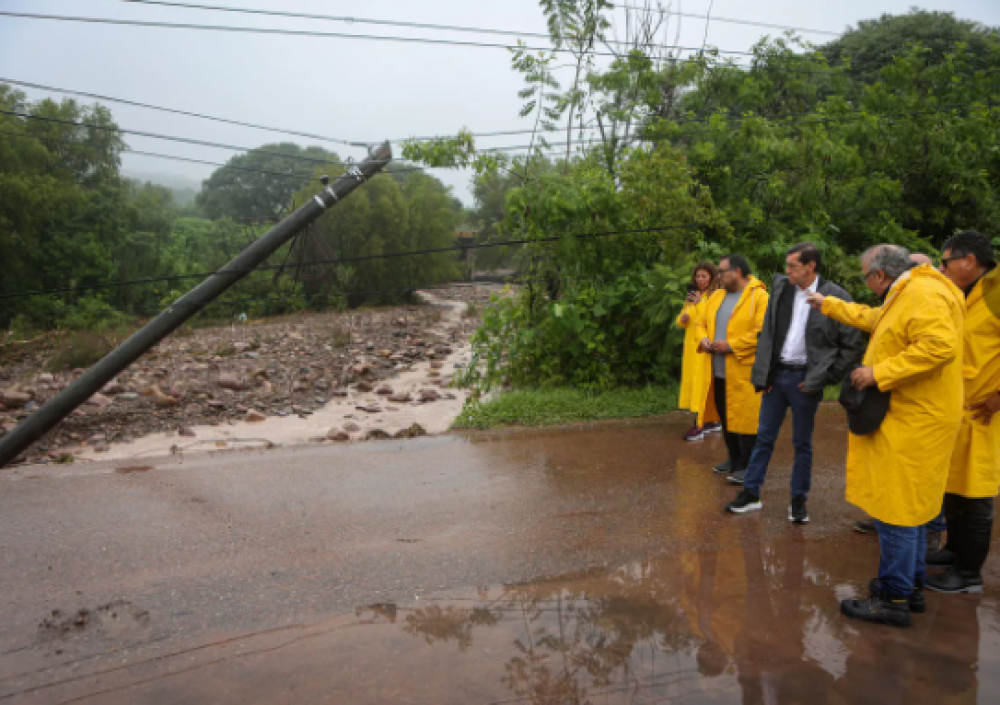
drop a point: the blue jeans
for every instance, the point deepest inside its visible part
(937, 523)
(902, 560)
(784, 394)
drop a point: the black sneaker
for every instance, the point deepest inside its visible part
(891, 611)
(725, 466)
(917, 601)
(865, 527)
(737, 478)
(797, 511)
(954, 581)
(746, 501)
(945, 558)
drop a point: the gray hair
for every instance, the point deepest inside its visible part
(891, 259)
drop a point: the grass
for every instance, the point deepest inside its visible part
(547, 407)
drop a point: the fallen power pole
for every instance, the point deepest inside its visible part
(93, 380)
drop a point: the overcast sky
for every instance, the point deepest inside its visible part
(357, 90)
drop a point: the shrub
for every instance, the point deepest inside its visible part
(78, 349)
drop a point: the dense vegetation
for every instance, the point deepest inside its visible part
(844, 145)
(69, 218)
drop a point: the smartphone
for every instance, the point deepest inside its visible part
(692, 288)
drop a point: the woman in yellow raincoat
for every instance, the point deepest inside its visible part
(696, 368)
(968, 259)
(898, 472)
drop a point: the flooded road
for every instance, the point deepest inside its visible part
(583, 565)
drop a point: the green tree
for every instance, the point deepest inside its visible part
(875, 44)
(251, 188)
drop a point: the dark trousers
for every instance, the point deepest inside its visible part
(970, 525)
(785, 394)
(740, 445)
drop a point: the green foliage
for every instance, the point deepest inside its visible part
(875, 44)
(78, 350)
(243, 192)
(388, 215)
(546, 407)
(846, 147)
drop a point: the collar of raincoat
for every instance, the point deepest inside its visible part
(925, 271)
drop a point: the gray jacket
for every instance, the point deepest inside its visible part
(832, 349)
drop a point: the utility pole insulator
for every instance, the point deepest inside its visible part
(93, 380)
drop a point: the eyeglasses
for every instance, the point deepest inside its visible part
(946, 260)
(723, 270)
(870, 272)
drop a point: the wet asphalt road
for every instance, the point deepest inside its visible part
(569, 566)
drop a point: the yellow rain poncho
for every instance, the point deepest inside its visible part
(975, 462)
(742, 400)
(696, 369)
(897, 474)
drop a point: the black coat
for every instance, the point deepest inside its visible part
(832, 348)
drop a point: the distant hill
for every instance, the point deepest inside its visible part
(183, 188)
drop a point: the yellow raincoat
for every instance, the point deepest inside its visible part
(975, 462)
(742, 400)
(897, 474)
(696, 369)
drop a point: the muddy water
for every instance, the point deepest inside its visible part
(587, 565)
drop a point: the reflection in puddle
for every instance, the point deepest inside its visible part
(742, 626)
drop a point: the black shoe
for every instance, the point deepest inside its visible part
(865, 527)
(797, 511)
(725, 466)
(746, 501)
(945, 558)
(737, 477)
(891, 611)
(954, 581)
(917, 601)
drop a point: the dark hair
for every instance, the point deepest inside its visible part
(971, 242)
(807, 253)
(706, 266)
(739, 262)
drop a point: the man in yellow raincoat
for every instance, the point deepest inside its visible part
(897, 473)
(968, 259)
(729, 328)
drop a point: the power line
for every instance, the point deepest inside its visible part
(280, 174)
(731, 20)
(175, 111)
(173, 138)
(447, 28)
(330, 35)
(694, 118)
(397, 255)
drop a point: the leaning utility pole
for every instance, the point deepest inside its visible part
(93, 380)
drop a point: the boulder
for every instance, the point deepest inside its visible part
(335, 434)
(227, 381)
(254, 416)
(14, 398)
(411, 432)
(99, 400)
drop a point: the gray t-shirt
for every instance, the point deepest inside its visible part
(721, 326)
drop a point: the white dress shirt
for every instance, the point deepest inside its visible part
(793, 352)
